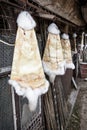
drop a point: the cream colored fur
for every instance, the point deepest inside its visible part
(52, 28)
(25, 21)
(31, 94)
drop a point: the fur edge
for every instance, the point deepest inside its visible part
(65, 36)
(52, 28)
(25, 21)
(70, 66)
(74, 35)
(31, 94)
(60, 71)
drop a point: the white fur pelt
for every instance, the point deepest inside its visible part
(71, 64)
(52, 28)
(31, 94)
(52, 73)
(25, 21)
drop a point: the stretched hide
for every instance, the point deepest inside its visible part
(53, 61)
(27, 75)
(67, 51)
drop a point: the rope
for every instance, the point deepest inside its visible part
(6, 43)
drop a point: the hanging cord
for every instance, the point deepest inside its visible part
(6, 43)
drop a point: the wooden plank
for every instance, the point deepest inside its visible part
(60, 102)
(66, 82)
(70, 103)
(47, 16)
(49, 111)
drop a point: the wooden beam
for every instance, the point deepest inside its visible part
(47, 16)
(63, 13)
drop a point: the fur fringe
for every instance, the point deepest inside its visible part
(74, 35)
(70, 66)
(52, 28)
(20, 91)
(31, 94)
(65, 36)
(52, 74)
(25, 21)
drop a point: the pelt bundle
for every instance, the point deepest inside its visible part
(27, 75)
(53, 61)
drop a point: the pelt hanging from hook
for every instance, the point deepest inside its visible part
(67, 51)
(53, 61)
(74, 36)
(27, 75)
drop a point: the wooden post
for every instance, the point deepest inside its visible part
(66, 28)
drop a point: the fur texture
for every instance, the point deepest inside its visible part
(52, 73)
(74, 35)
(20, 91)
(65, 36)
(31, 94)
(82, 47)
(70, 66)
(52, 28)
(25, 21)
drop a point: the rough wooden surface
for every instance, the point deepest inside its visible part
(59, 102)
(69, 10)
(84, 12)
(66, 82)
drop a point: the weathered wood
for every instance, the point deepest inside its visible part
(66, 29)
(84, 12)
(49, 111)
(71, 103)
(47, 16)
(66, 82)
(59, 102)
(70, 8)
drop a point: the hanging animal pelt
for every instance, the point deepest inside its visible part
(67, 51)
(27, 75)
(74, 37)
(53, 61)
(82, 41)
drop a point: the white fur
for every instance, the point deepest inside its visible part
(70, 66)
(32, 98)
(52, 77)
(65, 36)
(85, 46)
(52, 28)
(81, 47)
(74, 35)
(20, 91)
(31, 94)
(25, 21)
(52, 73)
